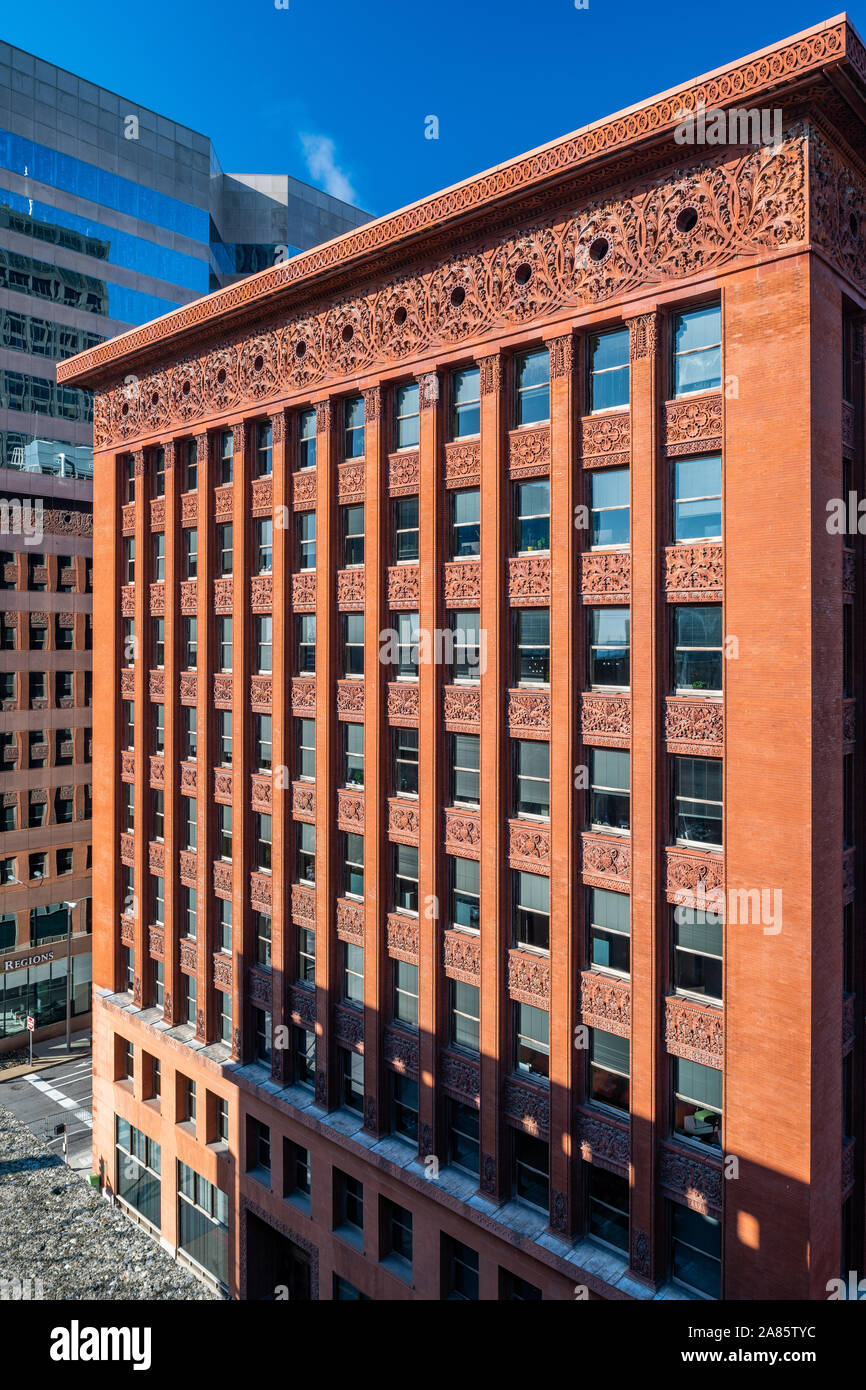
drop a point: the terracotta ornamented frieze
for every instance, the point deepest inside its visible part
(127, 519)
(304, 592)
(529, 846)
(490, 374)
(403, 821)
(262, 593)
(529, 979)
(302, 1007)
(350, 810)
(849, 720)
(561, 356)
(188, 686)
(157, 514)
(349, 1027)
(127, 596)
(838, 206)
(404, 587)
(222, 691)
(261, 794)
(350, 590)
(127, 845)
(529, 580)
(262, 496)
(188, 956)
(460, 1077)
(694, 425)
(694, 572)
(303, 904)
(605, 440)
(849, 1025)
(692, 872)
(303, 696)
(463, 833)
(350, 698)
(222, 787)
(692, 1180)
(304, 801)
(261, 689)
(261, 890)
(188, 595)
(428, 382)
(127, 931)
(260, 988)
(461, 956)
(603, 1141)
(528, 1106)
(402, 937)
(350, 481)
(463, 463)
(643, 336)
(403, 704)
(605, 1003)
(605, 576)
(127, 685)
(156, 942)
(187, 867)
(694, 726)
(462, 708)
(222, 971)
(404, 473)
(606, 861)
(156, 685)
(223, 595)
(462, 583)
(127, 766)
(157, 598)
(304, 490)
(157, 772)
(223, 498)
(188, 779)
(222, 879)
(605, 720)
(350, 921)
(529, 713)
(156, 856)
(694, 1031)
(529, 452)
(401, 1051)
(189, 509)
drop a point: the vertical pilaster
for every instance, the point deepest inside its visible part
(141, 869)
(326, 736)
(242, 952)
(205, 1023)
(281, 847)
(563, 722)
(648, 932)
(107, 788)
(171, 760)
(375, 796)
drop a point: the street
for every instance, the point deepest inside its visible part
(56, 1095)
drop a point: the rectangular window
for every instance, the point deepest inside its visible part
(306, 531)
(532, 776)
(224, 548)
(697, 1102)
(607, 358)
(609, 644)
(157, 998)
(697, 350)
(532, 910)
(263, 545)
(353, 428)
(353, 645)
(609, 927)
(157, 889)
(465, 764)
(306, 635)
(609, 508)
(532, 1040)
(698, 499)
(353, 865)
(306, 732)
(189, 465)
(404, 1107)
(224, 635)
(352, 518)
(696, 1251)
(188, 987)
(262, 742)
(262, 932)
(306, 852)
(129, 559)
(296, 1170)
(405, 657)
(189, 914)
(607, 1207)
(532, 517)
(225, 471)
(189, 722)
(189, 655)
(224, 1005)
(224, 924)
(405, 518)
(353, 754)
(608, 1069)
(304, 1057)
(405, 747)
(698, 948)
(405, 993)
(465, 523)
(531, 1174)
(159, 556)
(466, 403)
(306, 439)
(263, 631)
(159, 472)
(533, 387)
(459, 1265)
(698, 647)
(465, 1015)
(189, 815)
(263, 464)
(189, 551)
(465, 881)
(532, 646)
(698, 801)
(224, 832)
(158, 729)
(129, 476)
(464, 1146)
(352, 1080)
(306, 971)
(609, 794)
(128, 724)
(348, 1202)
(262, 838)
(406, 878)
(396, 1232)
(466, 644)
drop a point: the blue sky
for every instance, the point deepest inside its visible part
(336, 92)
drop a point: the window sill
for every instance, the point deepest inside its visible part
(706, 1003)
(260, 1175)
(611, 410)
(609, 830)
(397, 1266)
(351, 1235)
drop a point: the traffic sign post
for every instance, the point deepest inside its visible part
(31, 1024)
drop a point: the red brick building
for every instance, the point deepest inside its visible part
(478, 827)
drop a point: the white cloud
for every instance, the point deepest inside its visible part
(319, 152)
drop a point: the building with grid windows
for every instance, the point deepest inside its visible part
(479, 825)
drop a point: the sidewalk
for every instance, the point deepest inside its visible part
(49, 1054)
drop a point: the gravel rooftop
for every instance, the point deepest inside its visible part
(56, 1229)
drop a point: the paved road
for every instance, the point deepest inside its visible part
(58, 1095)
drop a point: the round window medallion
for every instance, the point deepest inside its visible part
(687, 220)
(154, 400)
(854, 224)
(300, 348)
(599, 248)
(458, 294)
(348, 333)
(400, 316)
(258, 363)
(221, 376)
(523, 274)
(186, 388)
(124, 409)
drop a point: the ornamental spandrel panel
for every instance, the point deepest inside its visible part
(127, 685)
(694, 1031)
(156, 856)
(605, 720)
(605, 440)
(127, 846)
(403, 821)
(350, 699)
(402, 936)
(694, 572)
(529, 580)
(528, 1106)
(403, 704)
(463, 463)
(460, 1077)
(350, 482)
(189, 509)
(223, 500)
(157, 772)
(350, 811)
(262, 593)
(127, 519)
(462, 583)
(222, 971)
(223, 595)
(606, 862)
(304, 592)
(529, 846)
(223, 783)
(350, 590)
(849, 1021)
(693, 1180)
(404, 473)
(127, 766)
(462, 708)
(157, 514)
(303, 905)
(188, 956)
(404, 586)
(187, 867)
(188, 687)
(260, 988)
(694, 726)
(400, 1051)
(222, 879)
(528, 713)
(603, 1141)
(189, 778)
(261, 891)
(849, 720)
(262, 496)
(304, 490)
(188, 595)
(127, 931)
(304, 801)
(529, 978)
(157, 599)
(463, 833)
(261, 794)
(350, 921)
(605, 1002)
(222, 691)
(349, 1026)
(261, 691)
(693, 425)
(849, 573)
(127, 597)
(303, 696)
(461, 956)
(156, 942)
(529, 452)
(691, 875)
(605, 576)
(302, 1007)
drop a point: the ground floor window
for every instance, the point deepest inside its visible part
(203, 1222)
(138, 1171)
(40, 992)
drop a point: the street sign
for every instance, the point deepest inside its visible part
(31, 1022)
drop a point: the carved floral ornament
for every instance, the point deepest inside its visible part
(747, 205)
